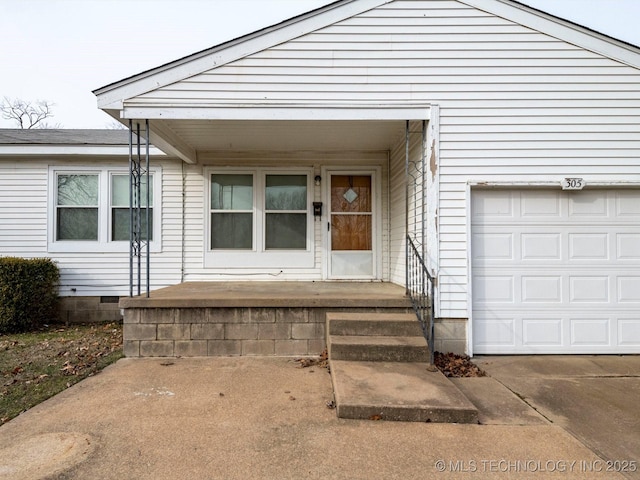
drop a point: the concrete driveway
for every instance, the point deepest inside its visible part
(594, 398)
(265, 418)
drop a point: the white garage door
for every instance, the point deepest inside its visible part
(556, 271)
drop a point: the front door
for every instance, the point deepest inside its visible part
(351, 225)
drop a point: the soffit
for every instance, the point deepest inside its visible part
(283, 135)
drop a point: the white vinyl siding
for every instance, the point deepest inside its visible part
(24, 223)
(23, 209)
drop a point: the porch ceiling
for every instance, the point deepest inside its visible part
(280, 135)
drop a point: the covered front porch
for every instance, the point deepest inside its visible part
(247, 318)
(274, 294)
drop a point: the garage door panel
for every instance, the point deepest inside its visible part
(588, 246)
(593, 332)
(628, 246)
(627, 205)
(495, 204)
(629, 289)
(538, 288)
(589, 289)
(495, 333)
(629, 331)
(556, 272)
(493, 246)
(542, 332)
(535, 204)
(537, 246)
(590, 204)
(494, 289)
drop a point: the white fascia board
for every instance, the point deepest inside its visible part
(170, 143)
(282, 112)
(561, 29)
(71, 150)
(110, 95)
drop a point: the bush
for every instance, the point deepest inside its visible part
(28, 293)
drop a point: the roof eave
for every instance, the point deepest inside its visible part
(562, 29)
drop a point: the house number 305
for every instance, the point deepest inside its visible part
(573, 184)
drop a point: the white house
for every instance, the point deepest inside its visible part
(520, 133)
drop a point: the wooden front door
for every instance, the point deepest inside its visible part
(351, 226)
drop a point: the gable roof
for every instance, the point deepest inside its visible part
(110, 96)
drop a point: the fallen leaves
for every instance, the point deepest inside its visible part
(321, 361)
(453, 365)
(37, 365)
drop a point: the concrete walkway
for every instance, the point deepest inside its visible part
(596, 398)
(262, 418)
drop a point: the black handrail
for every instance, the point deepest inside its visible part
(420, 286)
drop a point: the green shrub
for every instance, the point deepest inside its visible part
(28, 293)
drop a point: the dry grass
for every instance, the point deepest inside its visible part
(35, 366)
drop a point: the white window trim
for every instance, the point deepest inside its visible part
(104, 244)
(258, 257)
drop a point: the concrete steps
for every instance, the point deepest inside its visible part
(380, 371)
(378, 348)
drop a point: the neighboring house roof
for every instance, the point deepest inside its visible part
(66, 142)
(63, 137)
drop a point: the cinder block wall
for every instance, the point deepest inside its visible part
(166, 332)
(450, 335)
(162, 332)
(89, 309)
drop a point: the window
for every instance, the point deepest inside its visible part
(231, 211)
(259, 218)
(77, 207)
(90, 209)
(286, 212)
(120, 215)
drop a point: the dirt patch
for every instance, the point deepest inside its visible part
(452, 365)
(35, 366)
(45, 455)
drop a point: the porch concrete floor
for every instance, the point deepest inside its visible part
(273, 294)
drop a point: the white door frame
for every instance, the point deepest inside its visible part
(376, 205)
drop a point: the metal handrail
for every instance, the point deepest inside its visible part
(420, 287)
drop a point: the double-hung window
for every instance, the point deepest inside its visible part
(89, 209)
(259, 218)
(77, 206)
(119, 208)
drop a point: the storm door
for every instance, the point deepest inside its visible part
(351, 226)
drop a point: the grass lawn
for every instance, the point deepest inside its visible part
(35, 366)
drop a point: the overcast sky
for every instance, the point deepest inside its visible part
(61, 50)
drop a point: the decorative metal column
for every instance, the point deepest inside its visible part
(419, 282)
(139, 237)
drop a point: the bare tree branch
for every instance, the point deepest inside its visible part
(27, 114)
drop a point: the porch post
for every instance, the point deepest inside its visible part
(136, 243)
(406, 206)
(423, 183)
(148, 204)
(131, 226)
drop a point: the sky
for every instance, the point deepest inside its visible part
(62, 50)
